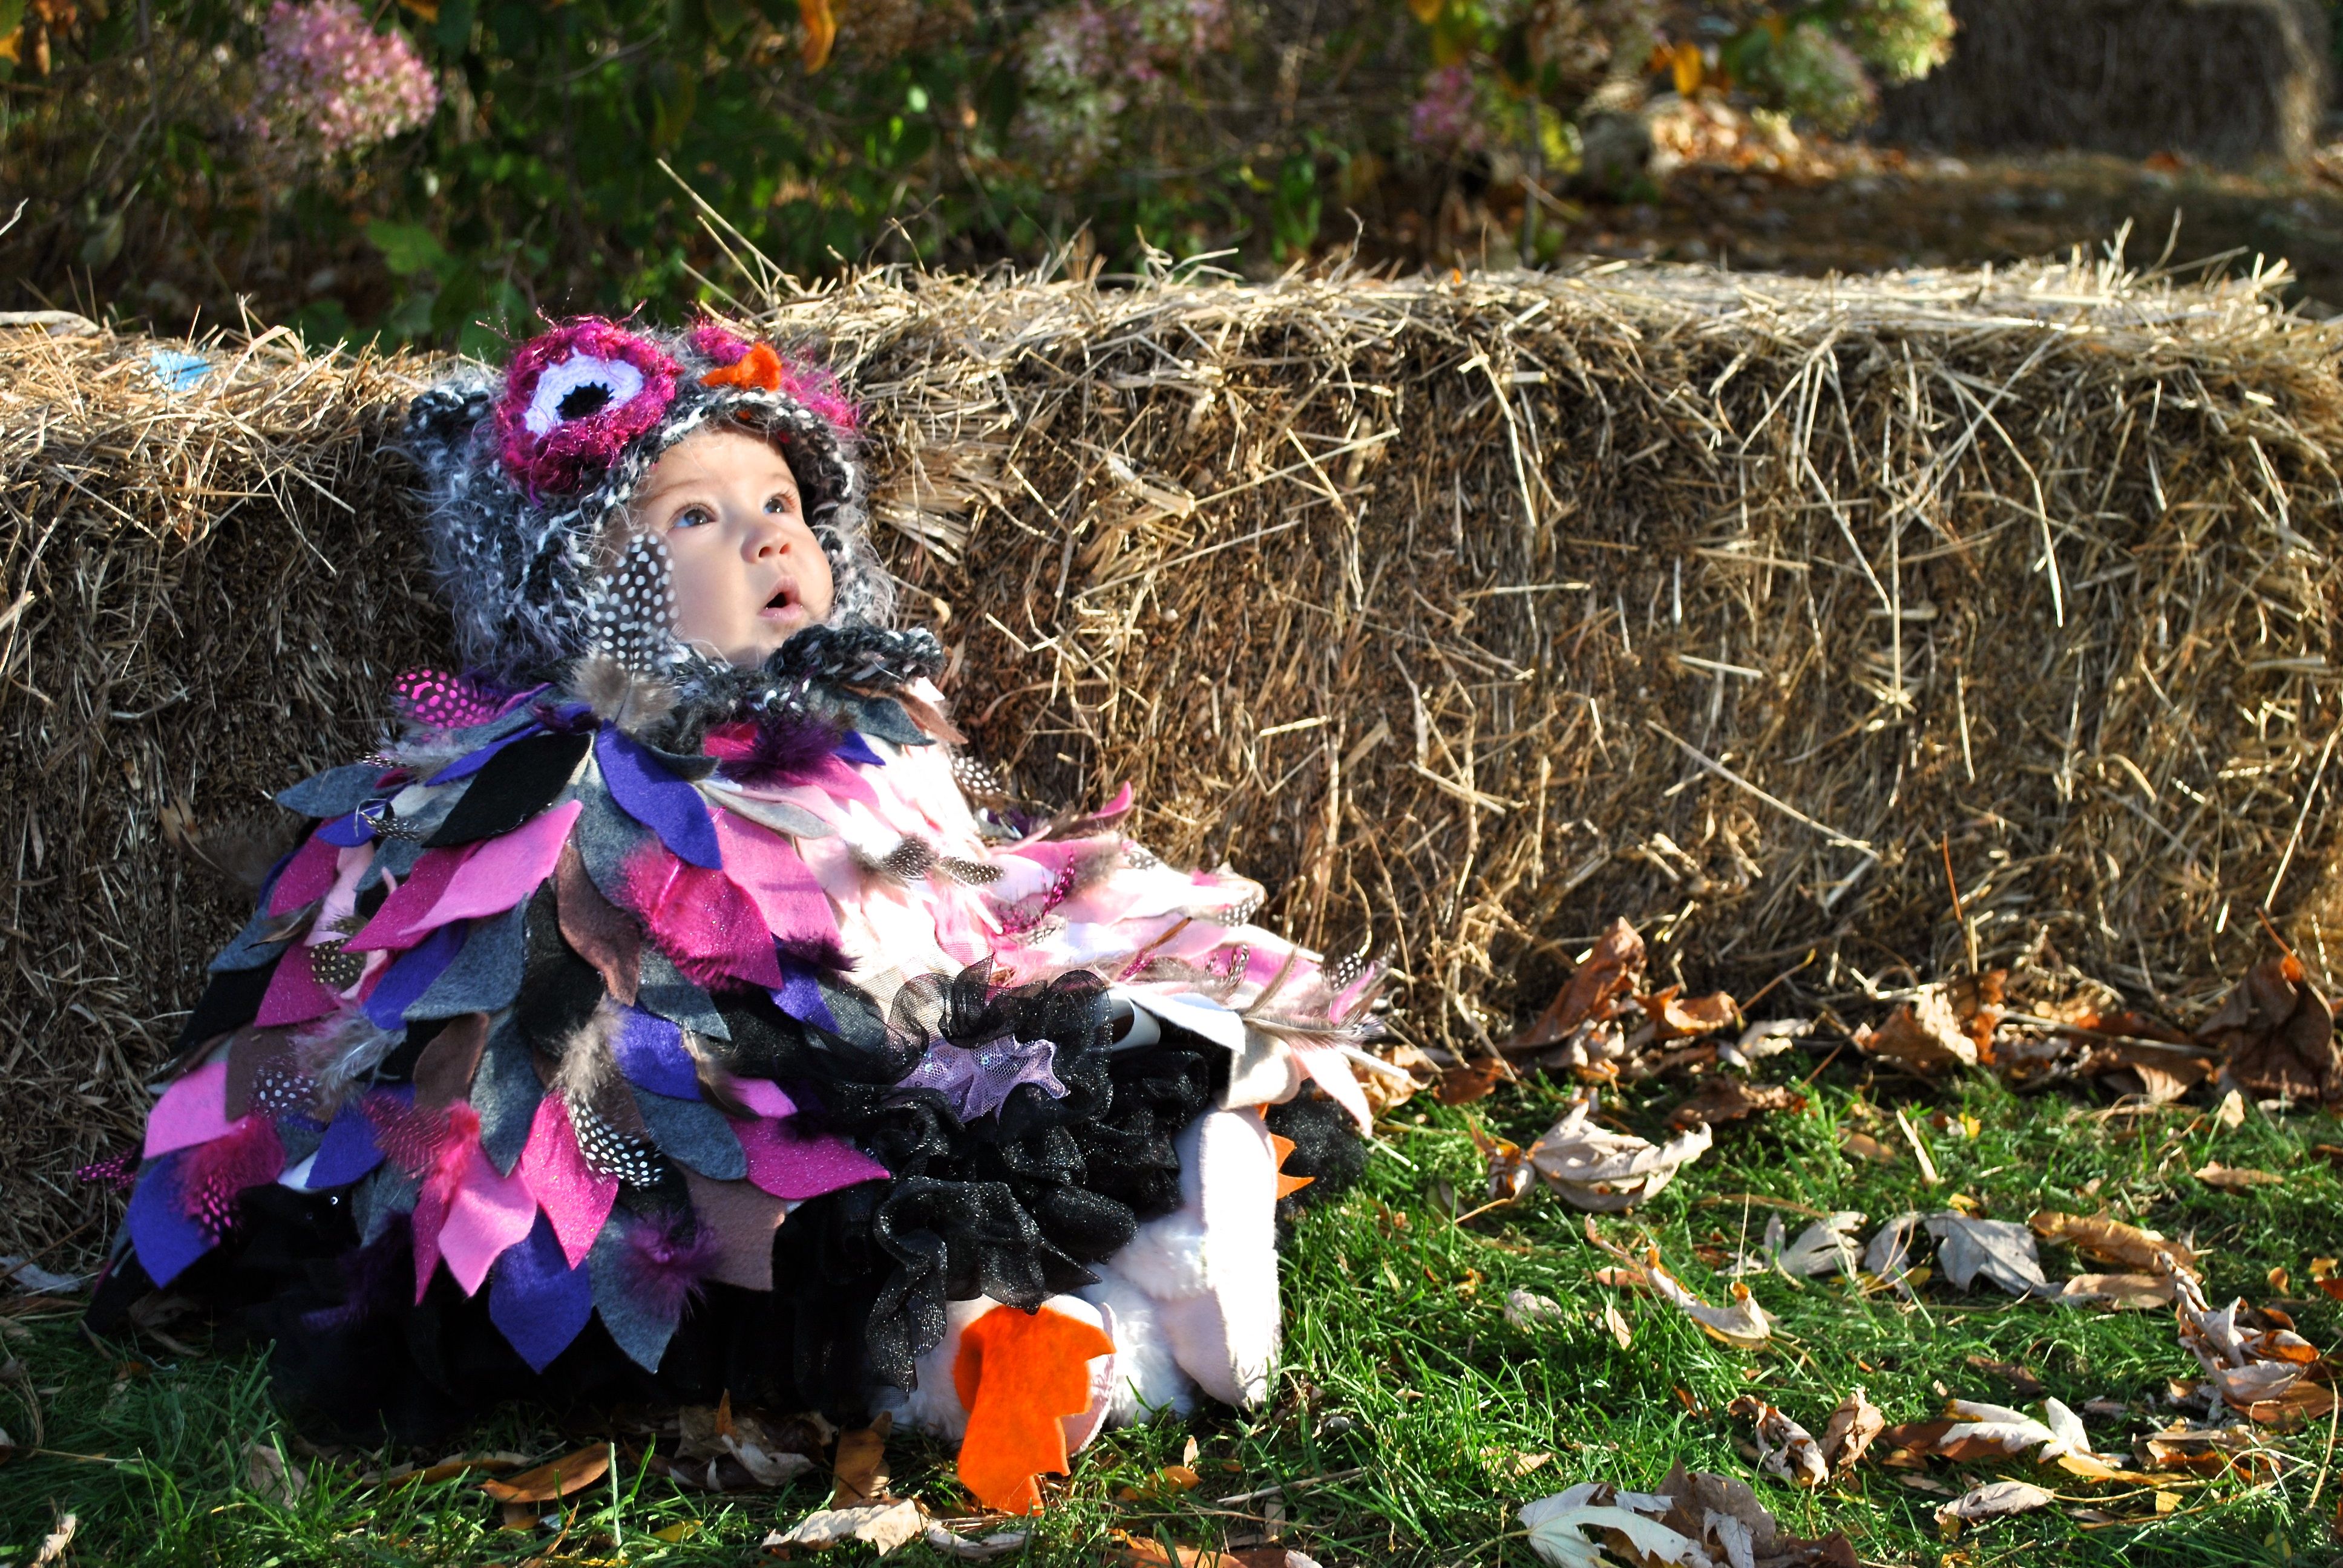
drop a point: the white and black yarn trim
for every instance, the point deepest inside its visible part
(518, 571)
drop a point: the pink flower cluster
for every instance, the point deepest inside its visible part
(1447, 118)
(330, 84)
(1089, 63)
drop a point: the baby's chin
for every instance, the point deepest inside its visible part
(771, 632)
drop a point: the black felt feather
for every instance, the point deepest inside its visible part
(516, 783)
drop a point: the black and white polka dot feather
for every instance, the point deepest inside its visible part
(633, 615)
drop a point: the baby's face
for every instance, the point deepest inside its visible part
(749, 574)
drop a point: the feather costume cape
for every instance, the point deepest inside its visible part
(770, 1059)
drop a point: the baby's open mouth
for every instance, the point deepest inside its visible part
(783, 597)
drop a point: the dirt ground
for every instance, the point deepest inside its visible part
(1879, 209)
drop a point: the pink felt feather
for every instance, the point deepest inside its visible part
(191, 1111)
(575, 1198)
(394, 925)
(488, 1213)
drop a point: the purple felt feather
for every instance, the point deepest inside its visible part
(666, 805)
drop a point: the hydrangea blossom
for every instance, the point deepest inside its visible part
(329, 84)
(1820, 79)
(1447, 117)
(1089, 63)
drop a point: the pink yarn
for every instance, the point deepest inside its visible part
(809, 385)
(562, 457)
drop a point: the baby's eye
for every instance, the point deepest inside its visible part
(781, 503)
(692, 518)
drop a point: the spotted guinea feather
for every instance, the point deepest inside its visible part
(632, 616)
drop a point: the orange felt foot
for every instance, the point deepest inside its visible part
(760, 368)
(1019, 1374)
(1286, 1185)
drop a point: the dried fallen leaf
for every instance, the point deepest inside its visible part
(1611, 970)
(1922, 1036)
(2252, 1357)
(1742, 1325)
(1769, 1036)
(1827, 1246)
(970, 1548)
(2000, 1250)
(1616, 1321)
(1863, 1146)
(1607, 1172)
(1783, 1447)
(1508, 1167)
(1472, 1080)
(1850, 1429)
(2140, 1293)
(861, 1466)
(1722, 1099)
(2235, 1180)
(1675, 1016)
(2303, 1401)
(2020, 1378)
(1525, 1310)
(547, 1482)
(885, 1525)
(54, 1545)
(1993, 1500)
(271, 1477)
(2114, 1241)
(1557, 1527)
(1724, 1516)
(2276, 1035)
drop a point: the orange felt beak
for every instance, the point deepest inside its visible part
(1020, 1374)
(1286, 1185)
(760, 368)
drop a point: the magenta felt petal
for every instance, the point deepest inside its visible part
(488, 1214)
(394, 925)
(764, 1097)
(192, 1110)
(294, 995)
(309, 874)
(763, 865)
(503, 870)
(574, 1198)
(789, 1165)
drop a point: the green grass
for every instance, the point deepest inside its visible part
(1394, 1326)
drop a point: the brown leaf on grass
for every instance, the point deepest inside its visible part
(2252, 1356)
(1722, 1514)
(2232, 1179)
(1924, 1035)
(1783, 1447)
(885, 1525)
(270, 1477)
(1508, 1167)
(1742, 1325)
(1525, 1310)
(2122, 1292)
(2276, 1035)
(861, 1466)
(2303, 1402)
(570, 1473)
(1607, 1172)
(2020, 1378)
(1472, 1080)
(1721, 1099)
(1863, 1146)
(1850, 1431)
(2113, 1242)
(1609, 974)
(1998, 1248)
(740, 1450)
(1677, 1017)
(1993, 1500)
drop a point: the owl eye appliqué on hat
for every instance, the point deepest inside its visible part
(575, 396)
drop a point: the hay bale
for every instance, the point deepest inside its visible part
(2230, 81)
(1469, 613)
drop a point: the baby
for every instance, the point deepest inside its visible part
(674, 1009)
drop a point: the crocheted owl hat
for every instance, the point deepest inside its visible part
(527, 477)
